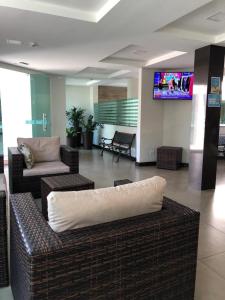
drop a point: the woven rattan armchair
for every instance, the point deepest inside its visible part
(18, 183)
(4, 275)
(150, 257)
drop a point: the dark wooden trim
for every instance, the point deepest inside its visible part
(153, 163)
(145, 164)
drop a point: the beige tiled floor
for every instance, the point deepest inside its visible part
(210, 283)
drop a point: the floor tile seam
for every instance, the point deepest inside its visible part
(209, 256)
(223, 232)
(214, 271)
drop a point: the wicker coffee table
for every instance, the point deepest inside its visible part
(70, 182)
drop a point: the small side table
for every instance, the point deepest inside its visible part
(121, 182)
(70, 182)
(169, 157)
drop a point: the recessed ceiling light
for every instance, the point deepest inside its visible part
(167, 56)
(14, 42)
(91, 82)
(23, 63)
(218, 17)
(33, 44)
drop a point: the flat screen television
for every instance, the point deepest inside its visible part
(173, 85)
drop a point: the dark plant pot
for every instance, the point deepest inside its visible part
(87, 139)
(74, 141)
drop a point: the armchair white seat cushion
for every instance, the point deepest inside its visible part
(43, 148)
(71, 210)
(45, 168)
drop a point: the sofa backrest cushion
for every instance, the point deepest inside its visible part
(43, 148)
(71, 210)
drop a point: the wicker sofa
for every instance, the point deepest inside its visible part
(18, 183)
(152, 256)
(4, 275)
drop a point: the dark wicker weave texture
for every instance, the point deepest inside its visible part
(150, 257)
(4, 274)
(20, 184)
(1, 164)
(71, 182)
(169, 157)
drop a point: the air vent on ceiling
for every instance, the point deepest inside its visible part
(218, 17)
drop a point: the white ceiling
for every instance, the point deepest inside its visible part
(88, 10)
(88, 5)
(74, 38)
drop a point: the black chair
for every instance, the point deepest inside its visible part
(120, 143)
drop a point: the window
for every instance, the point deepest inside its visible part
(117, 112)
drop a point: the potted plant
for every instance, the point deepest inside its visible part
(89, 126)
(74, 117)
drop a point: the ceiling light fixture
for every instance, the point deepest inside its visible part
(14, 42)
(24, 63)
(119, 73)
(92, 82)
(33, 44)
(167, 56)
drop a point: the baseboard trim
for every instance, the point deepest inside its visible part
(153, 163)
(145, 164)
(122, 154)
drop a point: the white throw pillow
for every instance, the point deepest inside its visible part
(43, 148)
(70, 210)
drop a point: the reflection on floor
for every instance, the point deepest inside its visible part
(210, 283)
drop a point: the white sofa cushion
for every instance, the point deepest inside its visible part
(70, 210)
(44, 168)
(43, 148)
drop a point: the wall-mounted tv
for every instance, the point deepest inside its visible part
(173, 85)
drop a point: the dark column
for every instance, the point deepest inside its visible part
(209, 62)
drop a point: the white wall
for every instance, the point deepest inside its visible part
(78, 96)
(177, 125)
(132, 88)
(161, 123)
(58, 107)
(150, 125)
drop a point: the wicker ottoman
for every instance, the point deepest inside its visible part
(169, 157)
(70, 182)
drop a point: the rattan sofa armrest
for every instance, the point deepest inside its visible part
(1, 164)
(15, 161)
(70, 157)
(34, 234)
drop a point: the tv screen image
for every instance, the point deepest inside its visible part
(173, 85)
